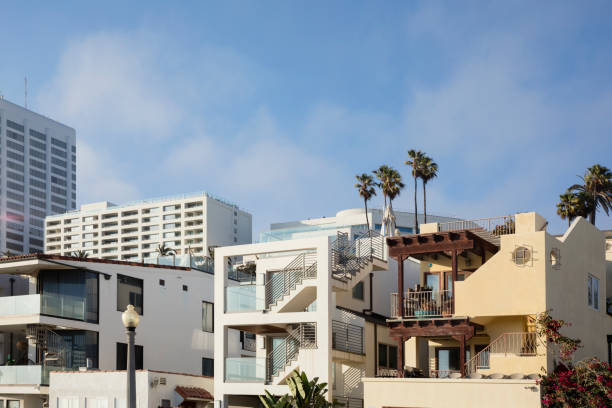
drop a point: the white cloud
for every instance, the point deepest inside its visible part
(107, 84)
(100, 179)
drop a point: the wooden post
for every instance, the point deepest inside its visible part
(400, 357)
(461, 340)
(400, 285)
(454, 273)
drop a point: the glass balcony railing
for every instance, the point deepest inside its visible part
(28, 374)
(245, 298)
(71, 307)
(245, 369)
(19, 305)
(200, 263)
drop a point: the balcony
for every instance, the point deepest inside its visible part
(349, 402)
(19, 305)
(245, 369)
(426, 304)
(347, 337)
(27, 374)
(244, 298)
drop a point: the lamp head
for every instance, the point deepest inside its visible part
(130, 317)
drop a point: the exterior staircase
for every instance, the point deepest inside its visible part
(522, 344)
(353, 260)
(283, 288)
(51, 345)
(284, 358)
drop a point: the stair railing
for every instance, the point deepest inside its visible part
(349, 256)
(281, 283)
(518, 344)
(303, 336)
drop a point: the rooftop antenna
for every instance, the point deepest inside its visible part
(25, 88)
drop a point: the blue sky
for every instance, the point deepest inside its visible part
(277, 105)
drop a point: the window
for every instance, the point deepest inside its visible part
(70, 293)
(129, 292)
(358, 291)
(387, 356)
(38, 135)
(208, 321)
(15, 125)
(162, 282)
(593, 292)
(521, 256)
(185, 288)
(122, 356)
(208, 367)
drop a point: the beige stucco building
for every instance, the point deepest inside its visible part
(482, 284)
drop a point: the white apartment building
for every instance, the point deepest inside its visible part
(37, 176)
(189, 224)
(313, 304)
(60, 313)
(351, 221)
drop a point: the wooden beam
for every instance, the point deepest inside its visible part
(461, 340)
(430, 248)
(400, 357)
(400, 285)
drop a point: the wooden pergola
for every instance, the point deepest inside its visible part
(450, 244)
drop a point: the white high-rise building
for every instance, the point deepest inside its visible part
(190, 224)
(37, 175)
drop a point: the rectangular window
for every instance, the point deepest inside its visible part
(208, 321)
(15, 176)
(38, 164)
(69, 293)
(38, 135)
(172, 207)
(129, 292)
(14, 136)
(15, 166)
(382, 355)
(38, 155)
(58, 162)
(58, 143)
(15, 125)
(16, 146)
(358, 291)
(122, 356)
(208, 367)
(38, 145)
(59, 152)
(593, 292)
(15, 156)
(15, 186)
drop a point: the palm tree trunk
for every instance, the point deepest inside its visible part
(416, 213)
(365, 203)
(424, 203)
(592, 216)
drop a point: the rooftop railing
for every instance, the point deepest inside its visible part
(495, 225)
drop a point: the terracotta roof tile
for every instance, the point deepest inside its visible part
(193, 392)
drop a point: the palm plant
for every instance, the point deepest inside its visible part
(429, 171)
(8, 253)
(366, 191)
(304, 394)
(598, 188)
(81, 254)
(393, 185)
(163, 250)
(382, 174)
(416, 162)
(572, 205)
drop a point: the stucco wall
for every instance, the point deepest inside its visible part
(462, 393)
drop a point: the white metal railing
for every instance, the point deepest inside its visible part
(443, 373)
(304, 336)
(520, 344)
(496, 225)
(280, 284)
(423, 304)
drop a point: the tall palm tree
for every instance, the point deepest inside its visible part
(416, 163)
(598, 188)
(393, 185)
(81, 254)
(366, 191)
(429, 171)
(570, 206)
(163, 250)
(382, 174)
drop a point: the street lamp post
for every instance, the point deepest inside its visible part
(130, 320)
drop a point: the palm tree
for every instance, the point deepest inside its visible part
(393, 185)
(81, 254)
(366, 191)
(382, 174)
(8, 253)
(163, 250)
(429, 171)
(416, 162)
(597, 188)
